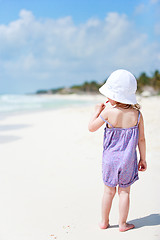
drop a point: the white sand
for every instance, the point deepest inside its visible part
(50, 178)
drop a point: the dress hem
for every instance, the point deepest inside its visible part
(122, 186)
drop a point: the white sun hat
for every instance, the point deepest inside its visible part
(121, 87)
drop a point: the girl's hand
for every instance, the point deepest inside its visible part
(142, 165)
(100, 107)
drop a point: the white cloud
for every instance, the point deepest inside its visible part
(47, 53)
(154, 1)
(157, 28)
(140, 8)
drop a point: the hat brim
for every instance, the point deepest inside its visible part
(131, 99)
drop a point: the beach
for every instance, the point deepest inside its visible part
(50, 177)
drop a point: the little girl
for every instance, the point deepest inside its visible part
(123, 132)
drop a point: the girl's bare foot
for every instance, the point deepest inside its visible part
(103, 225)
(125, 227)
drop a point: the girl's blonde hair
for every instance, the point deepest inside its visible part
(126, 106)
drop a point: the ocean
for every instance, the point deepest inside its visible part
(10, 104)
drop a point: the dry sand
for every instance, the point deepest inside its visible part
(50, 178)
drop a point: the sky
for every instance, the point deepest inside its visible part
(57, 43)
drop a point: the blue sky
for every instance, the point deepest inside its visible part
(54, 43)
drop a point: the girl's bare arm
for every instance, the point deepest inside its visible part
(96, 122)
(142, 166)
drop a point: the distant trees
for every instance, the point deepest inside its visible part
(51, 91)
(156, 80)
(42, 92)
(92, 87)
(144, 80)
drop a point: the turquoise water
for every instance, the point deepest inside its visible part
(24, 103)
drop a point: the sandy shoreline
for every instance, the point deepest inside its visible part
(50, 177)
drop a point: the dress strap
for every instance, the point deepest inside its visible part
(106, 121)
(139, 115)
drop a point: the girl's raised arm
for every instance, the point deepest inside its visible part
(96, 122)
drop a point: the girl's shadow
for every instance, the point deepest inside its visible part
(151, 220)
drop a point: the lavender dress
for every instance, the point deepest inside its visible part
(119, 163)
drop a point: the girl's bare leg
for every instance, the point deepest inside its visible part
(124, 199)
(108, 196)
